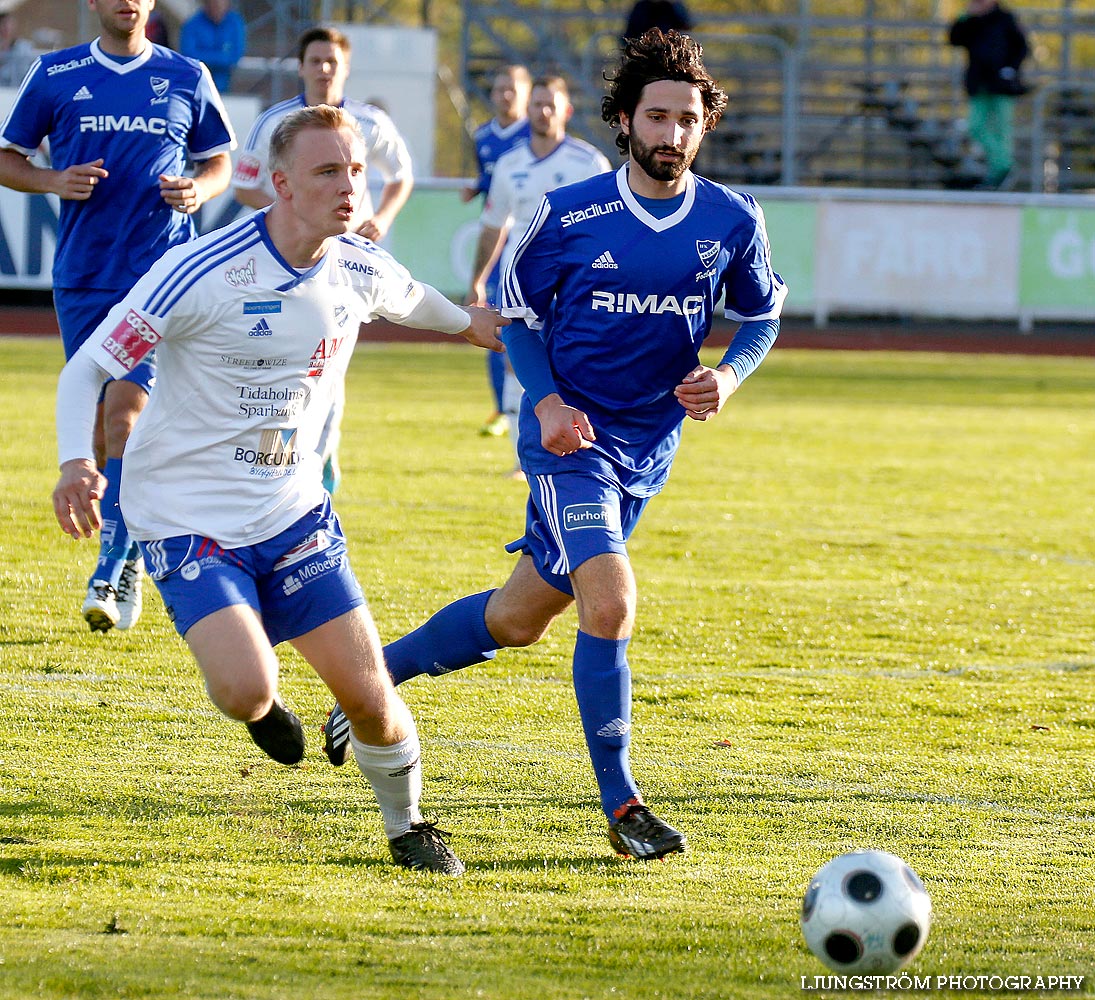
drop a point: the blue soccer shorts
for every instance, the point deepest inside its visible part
(296, 581)
(572, 517)
(80, 311)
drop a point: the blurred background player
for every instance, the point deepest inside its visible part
(509, 94)
(121, 115)
(217, 36)
(239, 534)
(521, 177)
(16, 53)
(324, 57)
(612, 293)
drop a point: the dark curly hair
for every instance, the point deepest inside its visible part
(659, 55)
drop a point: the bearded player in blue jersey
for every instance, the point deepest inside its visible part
(122, 116)
(611, 295)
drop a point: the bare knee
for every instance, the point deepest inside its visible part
(513, 622)
(242, 698)
(609, 615)
(516, 631)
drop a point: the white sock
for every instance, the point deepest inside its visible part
(395, 774)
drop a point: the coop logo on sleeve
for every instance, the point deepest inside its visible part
(131, 340)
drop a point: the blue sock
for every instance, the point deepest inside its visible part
(602, 685)
(496, 369)
(454, 638)
(115, 541)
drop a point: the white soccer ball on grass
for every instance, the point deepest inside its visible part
(866, 912)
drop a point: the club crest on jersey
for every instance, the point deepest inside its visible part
(242, 275)
(159, 85)
(708, 251)
(324, 352)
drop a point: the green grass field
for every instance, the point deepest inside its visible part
(866, 618)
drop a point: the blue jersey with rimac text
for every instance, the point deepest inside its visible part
(623, 301)
(143, 117)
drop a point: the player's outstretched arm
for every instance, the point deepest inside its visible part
(74, 183)
(435, 312)
(483, 331)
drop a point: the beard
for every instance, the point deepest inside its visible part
(661, 170)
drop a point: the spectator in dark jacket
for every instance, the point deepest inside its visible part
(996, 46)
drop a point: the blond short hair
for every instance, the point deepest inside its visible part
(319, 116)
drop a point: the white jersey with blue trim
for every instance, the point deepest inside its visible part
(249, 351)
(143, 117)
(624, 301)
(521, 178)
(385, 149)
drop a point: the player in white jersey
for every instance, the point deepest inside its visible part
(509, 94)
(122, 117)
(254, 326)
(519, 181)
(324, 57)
(612, 292)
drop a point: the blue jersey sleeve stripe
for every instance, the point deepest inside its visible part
(167, 292)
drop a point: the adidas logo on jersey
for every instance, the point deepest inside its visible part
(83, 94)
(260, 329)
(605, 260)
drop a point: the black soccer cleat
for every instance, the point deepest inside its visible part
(422, 848)
(336, 736)
(640, 834)
(279, 734)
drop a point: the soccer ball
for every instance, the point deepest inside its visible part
(866, 911)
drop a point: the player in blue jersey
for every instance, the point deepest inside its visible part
(509, 96)
(122, 116)
(612, 293)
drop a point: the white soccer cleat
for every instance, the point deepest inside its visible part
(100, 608)
(129, 593)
